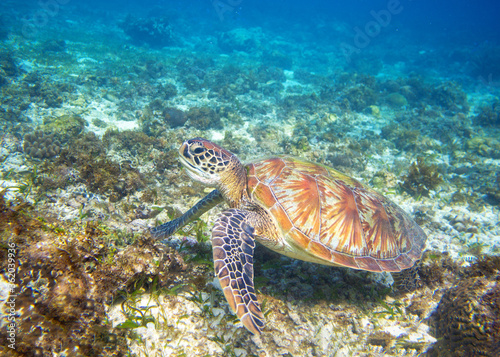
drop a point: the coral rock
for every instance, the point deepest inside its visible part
(41, 145)
(467, 320)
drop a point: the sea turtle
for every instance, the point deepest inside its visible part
(297, 208)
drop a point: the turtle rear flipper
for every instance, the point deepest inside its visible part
(205, 204)
(233, 245)
(407, 279)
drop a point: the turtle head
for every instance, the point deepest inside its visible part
(205, 161)
(213, 165)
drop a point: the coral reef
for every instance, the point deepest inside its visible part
(158, 116)
(277, 59)
(359, 97)
(346, 160)
(450, 96)
(167, 91)
(8, 66)
(85, 157)
(485, 62)
(467, 320)
(373, 110)
(154, 31)
(53, 46)
(36, 88)
(364, 63)
(240, 39)
(357, 93)
(65, 127)
(66, 275)
(107, 177)
(489, 115)
(265, 73)
(305, 102)
(421, 178)
(396, 100)
(175, 117)
(484, 146)
(135, 142)
(93, 110)
(81, 150)
(403, 135)
(203, 118)
(41, 145)
(493, 190)
(229, 80)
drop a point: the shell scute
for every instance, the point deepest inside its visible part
(282, 218)
(344, 260)
(407, 234)
(403, 261)
(267, 170)
(368, 263)
(306, 167)
(388, 265)
(328, 217)
(341, 226)
(298, 194)
(320, 251)
(298, 238)
(265, 194)
(377, 227)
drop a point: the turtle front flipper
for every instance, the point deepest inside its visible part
(206, 203)
(233, 244)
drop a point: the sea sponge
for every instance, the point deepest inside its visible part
(41, 145)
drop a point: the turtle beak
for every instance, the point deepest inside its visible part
(184, 150)
(185, 157)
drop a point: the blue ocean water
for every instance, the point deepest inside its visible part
(96, 97)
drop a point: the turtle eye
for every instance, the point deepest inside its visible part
(198, 150)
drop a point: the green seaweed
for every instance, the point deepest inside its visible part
(421, 178)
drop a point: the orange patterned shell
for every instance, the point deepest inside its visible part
(332, 218)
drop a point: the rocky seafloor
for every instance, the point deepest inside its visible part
(88, 161)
